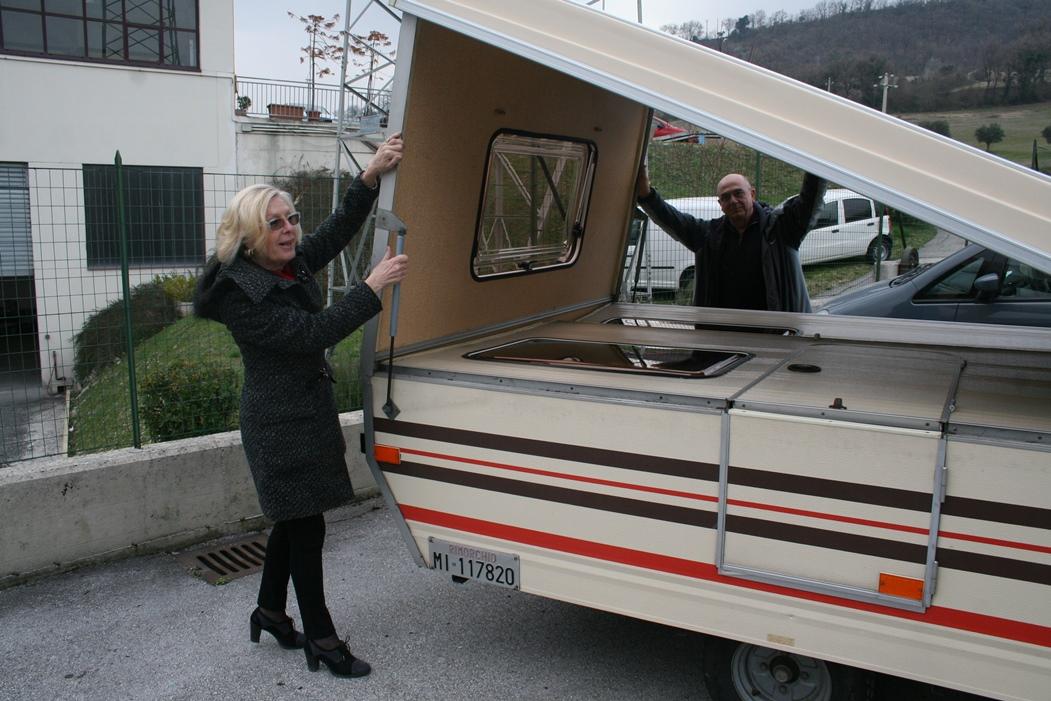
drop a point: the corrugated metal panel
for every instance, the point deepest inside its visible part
(16, 249)
(973, 194)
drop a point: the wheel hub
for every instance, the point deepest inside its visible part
(763, 674)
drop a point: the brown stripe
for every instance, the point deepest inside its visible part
(996, 566)
(821, 538)
(1014, 514)
(832, 489)
(558, 451)
(772, 530)
(561, 495)
(763, 479)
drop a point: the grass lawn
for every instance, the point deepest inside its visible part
(100, 414)
(1021, 124)
(824, 277)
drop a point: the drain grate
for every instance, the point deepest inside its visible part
(221, 563)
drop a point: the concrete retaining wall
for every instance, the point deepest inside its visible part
(67, 512)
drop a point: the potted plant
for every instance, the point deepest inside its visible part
(278, 111)
(243, 103)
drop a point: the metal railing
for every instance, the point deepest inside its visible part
(291, 100)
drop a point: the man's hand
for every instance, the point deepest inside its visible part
(642, 183)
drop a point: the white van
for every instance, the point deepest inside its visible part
(847, 227)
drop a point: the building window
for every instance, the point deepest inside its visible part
(140, 32)
(164, 213)
(534, 204)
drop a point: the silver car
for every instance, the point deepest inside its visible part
(974, 285)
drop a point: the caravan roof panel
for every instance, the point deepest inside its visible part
(949, 184)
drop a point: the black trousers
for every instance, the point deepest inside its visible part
(294, 550)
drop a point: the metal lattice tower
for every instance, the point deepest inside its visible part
(370, 124)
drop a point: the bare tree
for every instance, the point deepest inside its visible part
(324, 45)
(365, 48)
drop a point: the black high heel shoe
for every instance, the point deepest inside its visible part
(339, 661)
(284, 632)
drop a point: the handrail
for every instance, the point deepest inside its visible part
(321, 105)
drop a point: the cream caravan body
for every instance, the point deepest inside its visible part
(869, 492)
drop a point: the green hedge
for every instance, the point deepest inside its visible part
(189, 397)
(102, 339)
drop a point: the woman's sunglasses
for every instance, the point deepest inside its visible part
(276, 223)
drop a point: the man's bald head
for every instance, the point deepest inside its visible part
(737, 199)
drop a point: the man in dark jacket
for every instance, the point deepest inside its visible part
(749, 257)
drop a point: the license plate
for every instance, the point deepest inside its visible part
(469, 562)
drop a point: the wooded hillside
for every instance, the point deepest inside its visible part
(946, 54)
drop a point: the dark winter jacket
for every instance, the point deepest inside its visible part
(783, 230)
(289, 424)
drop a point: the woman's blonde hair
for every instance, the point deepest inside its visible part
(243, 225)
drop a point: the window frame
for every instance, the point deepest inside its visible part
(869, 206)
(98, 251)
(163, 30)
(582, 197)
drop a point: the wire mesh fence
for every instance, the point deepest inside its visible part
(91, 362)
(73, 350)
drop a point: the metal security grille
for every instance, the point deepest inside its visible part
(221, 563)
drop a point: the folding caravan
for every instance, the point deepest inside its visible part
(822, 495)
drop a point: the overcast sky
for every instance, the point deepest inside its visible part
(267, 42)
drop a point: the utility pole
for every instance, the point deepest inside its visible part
(887, 80)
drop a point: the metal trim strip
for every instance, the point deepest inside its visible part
(406, 41)
(578, 392)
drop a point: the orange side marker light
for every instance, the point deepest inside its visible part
(896, 585)
(388, 454)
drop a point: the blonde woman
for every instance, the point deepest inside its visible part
(261, 285)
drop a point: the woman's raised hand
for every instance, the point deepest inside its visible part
(387, 157)
(389, 270)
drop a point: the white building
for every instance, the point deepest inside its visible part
(82, 80)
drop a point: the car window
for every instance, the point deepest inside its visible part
(1024, 282)
(958, 284)
(827, 215)
(856, 210)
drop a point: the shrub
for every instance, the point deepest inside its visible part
(187, 397)
(178, 286)
(102, 339)
(938, 126)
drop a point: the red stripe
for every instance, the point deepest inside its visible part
(561, 475)
(935, 615)
(734, 502)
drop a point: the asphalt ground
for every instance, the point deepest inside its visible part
(144, 628)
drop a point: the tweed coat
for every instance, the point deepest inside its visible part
(289, 423)
(783, 229)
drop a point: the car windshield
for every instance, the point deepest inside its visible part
(905, 277)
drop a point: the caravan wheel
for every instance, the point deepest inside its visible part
(740, 672)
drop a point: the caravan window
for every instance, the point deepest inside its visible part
(534, 203)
